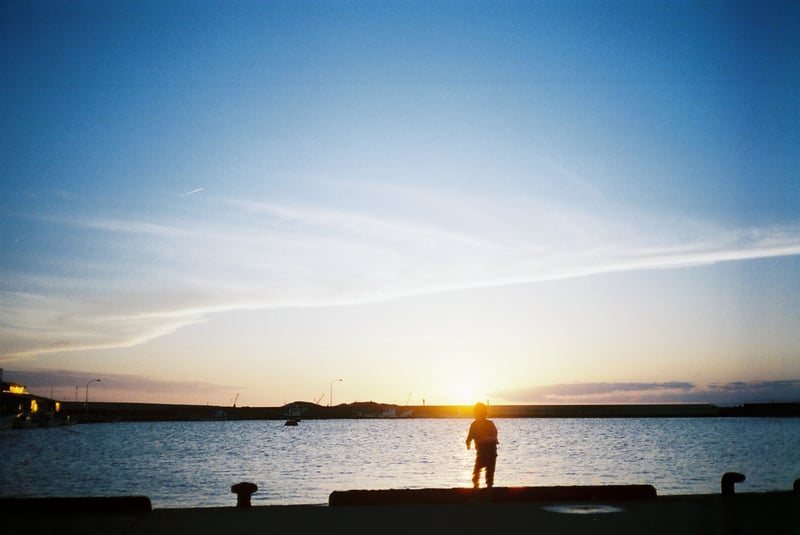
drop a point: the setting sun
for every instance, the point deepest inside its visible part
(465, 392)
(466, 395)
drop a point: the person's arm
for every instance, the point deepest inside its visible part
(470, 435)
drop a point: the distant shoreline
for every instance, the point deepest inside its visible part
(115, 411)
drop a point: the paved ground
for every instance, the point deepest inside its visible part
(767, 513)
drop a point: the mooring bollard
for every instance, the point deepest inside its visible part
(243, 492)
(728, 481)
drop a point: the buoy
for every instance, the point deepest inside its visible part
(243, 492)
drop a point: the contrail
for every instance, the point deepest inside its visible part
(198, 190)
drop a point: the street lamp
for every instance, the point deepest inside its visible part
(330, 397)
(86, 402)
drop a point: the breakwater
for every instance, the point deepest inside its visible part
(99, 411)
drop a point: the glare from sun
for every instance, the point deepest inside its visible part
(468, 394)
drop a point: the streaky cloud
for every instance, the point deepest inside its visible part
(43, 382)
(192, 192)
(589, 390)
(733, 393)
(756, 387)
(259, 254)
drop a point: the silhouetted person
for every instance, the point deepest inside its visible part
(484, 433)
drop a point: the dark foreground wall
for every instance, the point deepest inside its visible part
(494, 495)
(770, 513)
(77, 505)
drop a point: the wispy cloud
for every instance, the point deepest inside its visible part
(192, 192)
(668, 392)
(33, 324)
(62, 384)
(598, 392)
(140, 278)
(764, 391)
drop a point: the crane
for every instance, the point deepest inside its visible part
(236, 399)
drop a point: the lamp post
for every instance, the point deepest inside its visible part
(86, 402)
(330, 397)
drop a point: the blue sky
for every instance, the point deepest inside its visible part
(450, 201)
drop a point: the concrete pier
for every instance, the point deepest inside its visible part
(494, 495)
(773, 512)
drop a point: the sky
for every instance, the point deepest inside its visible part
(259, 202)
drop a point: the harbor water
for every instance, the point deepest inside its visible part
(194, 464)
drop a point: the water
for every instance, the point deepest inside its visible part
(194, 464)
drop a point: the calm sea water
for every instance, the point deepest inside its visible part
(194, 464)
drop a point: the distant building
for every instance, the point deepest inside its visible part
(15, 399)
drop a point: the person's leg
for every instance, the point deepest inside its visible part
(476, 473)
(490, 463)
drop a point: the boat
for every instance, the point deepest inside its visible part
(28, 420)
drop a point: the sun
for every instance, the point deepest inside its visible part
(464, 394)
(467, 393)
(459, 388)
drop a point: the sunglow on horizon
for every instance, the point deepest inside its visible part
(59, 385)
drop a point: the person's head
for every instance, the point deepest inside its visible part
(479, 411)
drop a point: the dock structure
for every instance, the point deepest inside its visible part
(618, 510)
(139, 412)
(494, 495)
